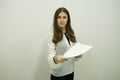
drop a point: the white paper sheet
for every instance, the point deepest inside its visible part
(76, 50)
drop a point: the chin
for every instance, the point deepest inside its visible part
(62, 26)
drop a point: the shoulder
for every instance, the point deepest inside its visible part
(51, 35)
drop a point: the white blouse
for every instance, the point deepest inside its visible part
(52, 53)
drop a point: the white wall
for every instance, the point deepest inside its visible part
(24, 29)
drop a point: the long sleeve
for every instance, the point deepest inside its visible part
(52, 53)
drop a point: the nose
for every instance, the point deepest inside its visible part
(61, 19)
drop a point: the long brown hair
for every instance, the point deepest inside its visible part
(57, 32)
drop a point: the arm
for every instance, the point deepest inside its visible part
(54, 61)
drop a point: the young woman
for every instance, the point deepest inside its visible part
(60, 41)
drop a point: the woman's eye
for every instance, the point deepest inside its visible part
(64, 17)
(58, 17)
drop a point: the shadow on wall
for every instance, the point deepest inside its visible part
(42, 71)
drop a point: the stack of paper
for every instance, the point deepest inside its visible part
(76, 50)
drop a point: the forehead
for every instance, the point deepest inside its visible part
(62, 14)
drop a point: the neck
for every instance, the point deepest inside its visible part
(63, 30)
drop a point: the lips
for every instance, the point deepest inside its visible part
(61, 23)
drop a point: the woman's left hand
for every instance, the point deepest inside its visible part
(80, 56)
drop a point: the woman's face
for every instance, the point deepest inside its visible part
(62, 19)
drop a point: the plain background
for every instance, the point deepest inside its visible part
(26, 24)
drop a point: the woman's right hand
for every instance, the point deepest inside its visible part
(59, 59)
